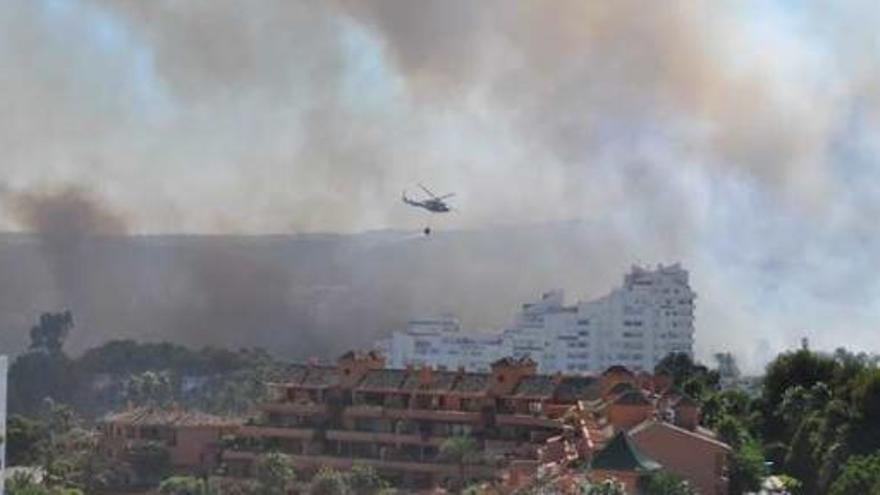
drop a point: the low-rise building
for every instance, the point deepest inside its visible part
(697, 457)
(192, 439)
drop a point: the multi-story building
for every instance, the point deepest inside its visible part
(636, 325)
(525, 426)
(440, 342)
(191, 438)
(396, 420)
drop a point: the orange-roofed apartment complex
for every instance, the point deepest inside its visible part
(396, 420)
(523, 424)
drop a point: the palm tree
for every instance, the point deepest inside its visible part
(461, 450)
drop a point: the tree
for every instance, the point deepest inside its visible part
(801, 368)
(461, 450)
(695, 379)
(665, 483)
(182, 485)
(275, 473)
(364, 480)
(227, 486)
(51, 331)
(607, 487)
(860, 475)
(150, 463)
(24, 483)
(329, 482)
(149, 389)
(44, 371)
(747, 469)
(22, 436)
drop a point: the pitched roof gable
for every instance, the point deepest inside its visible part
(535, 386)
(621, 455)
(650, 424)
(574, 388)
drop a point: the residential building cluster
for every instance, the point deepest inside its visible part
(636, 325)
(525, 425)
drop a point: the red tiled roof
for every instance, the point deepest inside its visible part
(155, 416)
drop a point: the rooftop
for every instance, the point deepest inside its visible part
(633, 398)
(154, 416)
(621, 455)
(702, 436)
(535, 386)
(383, 379)
(574, 388)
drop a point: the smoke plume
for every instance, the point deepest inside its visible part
(737, 137)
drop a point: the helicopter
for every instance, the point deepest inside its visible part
(434, 204)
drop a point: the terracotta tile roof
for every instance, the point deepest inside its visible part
(620, 454)
(321, 376)
(574, 388)
(535, 386)
(650, 424)
(472, 383)
(154, 416)
(292, 373)
(617, 368)
(441, 381)
(383, 379)
(633, 398)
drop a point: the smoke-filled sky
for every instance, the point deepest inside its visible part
(737, 137)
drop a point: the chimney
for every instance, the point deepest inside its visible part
(426, 375)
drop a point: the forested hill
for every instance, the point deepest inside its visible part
(302, 295)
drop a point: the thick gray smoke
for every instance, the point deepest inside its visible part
(581, 137)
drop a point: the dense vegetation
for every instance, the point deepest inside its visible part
(124, 372)
(814, 418)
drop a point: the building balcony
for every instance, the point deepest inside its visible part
(386, 438)
(260, 431)
(438, 415)
(527, 420)
(294, 408)
(365, 411)
(436, 468)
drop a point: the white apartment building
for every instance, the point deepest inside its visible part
(635, 325)
(439, 342)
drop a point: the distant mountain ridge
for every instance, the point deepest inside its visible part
(298, 295)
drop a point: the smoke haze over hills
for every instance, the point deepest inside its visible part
(737, 137)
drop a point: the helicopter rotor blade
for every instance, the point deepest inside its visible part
(428, 191)
(446, 196)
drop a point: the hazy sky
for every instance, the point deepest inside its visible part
(740, 137)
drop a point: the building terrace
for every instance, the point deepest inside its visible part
(397, 419)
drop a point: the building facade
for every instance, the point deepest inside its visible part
(397, 420)
(191, 438)
(441, 343)
(636, 325)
